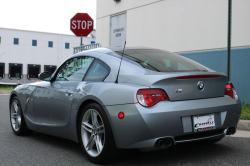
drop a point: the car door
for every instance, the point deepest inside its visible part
(53, 99)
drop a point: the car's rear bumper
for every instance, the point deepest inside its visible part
(142, 127)
(151, 143)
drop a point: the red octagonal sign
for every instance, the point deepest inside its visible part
(81, 24)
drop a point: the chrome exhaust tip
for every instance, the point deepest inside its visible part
(162, 143)
(169, 142)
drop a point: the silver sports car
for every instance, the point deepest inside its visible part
(108, 99)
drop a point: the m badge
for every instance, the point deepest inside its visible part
(178, 90)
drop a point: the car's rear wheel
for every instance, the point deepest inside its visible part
(17, 119)
(96, 136)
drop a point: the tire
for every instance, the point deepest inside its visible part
(17, 120)
(96, 140)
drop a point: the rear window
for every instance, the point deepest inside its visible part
(161, 61)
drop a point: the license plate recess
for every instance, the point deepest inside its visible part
(204, 122)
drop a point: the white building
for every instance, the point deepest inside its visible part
(92, 36)
(174, 25)
(196, 29)
(25, 54)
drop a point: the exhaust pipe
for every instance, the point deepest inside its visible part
(159, 145)
(169, 142)
(231, 131)
(164, 143)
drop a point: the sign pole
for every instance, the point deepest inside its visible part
(81, 41)
(229, 38)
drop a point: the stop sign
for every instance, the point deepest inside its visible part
(81, 24)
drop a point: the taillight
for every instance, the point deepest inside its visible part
(149, 97)
(230, 91)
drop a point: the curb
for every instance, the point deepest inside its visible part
(5, 92)
(243, 125)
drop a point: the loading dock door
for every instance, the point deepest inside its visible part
(15, 71)
(49, 68)
(2, 66)
(118, 26)
(33, 71)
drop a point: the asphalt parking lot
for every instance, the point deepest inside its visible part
(41, 149)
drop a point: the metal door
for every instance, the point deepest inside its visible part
(53, 99)
(118, 26)
(53, 102)
(49, 68)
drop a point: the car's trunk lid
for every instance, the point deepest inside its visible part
(193, 86)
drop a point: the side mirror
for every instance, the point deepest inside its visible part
(44, 76)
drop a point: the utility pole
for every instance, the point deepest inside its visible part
(229, 38)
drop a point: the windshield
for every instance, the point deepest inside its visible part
(161, 61)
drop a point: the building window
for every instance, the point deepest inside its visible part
(34, 42)
(16, 41)
(66, 45)
(50, 44)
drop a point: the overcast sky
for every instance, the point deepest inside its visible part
(43, 15)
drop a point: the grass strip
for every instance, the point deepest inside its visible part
(245, 111)
(3, 89)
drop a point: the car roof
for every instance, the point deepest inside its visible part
(114, 49)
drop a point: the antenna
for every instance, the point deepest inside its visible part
(116, 81)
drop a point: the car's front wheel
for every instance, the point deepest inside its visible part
(96, 136)
(17, 119)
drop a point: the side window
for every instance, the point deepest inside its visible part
(74, 69)
(97, 72)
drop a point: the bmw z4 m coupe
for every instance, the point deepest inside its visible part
(108, 99)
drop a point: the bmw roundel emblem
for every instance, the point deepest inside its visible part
(200, 85)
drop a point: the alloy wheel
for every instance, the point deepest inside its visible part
(93, 132)
(15, 116)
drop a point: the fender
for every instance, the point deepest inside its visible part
(77, 105)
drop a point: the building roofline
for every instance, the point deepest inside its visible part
(36, 31)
